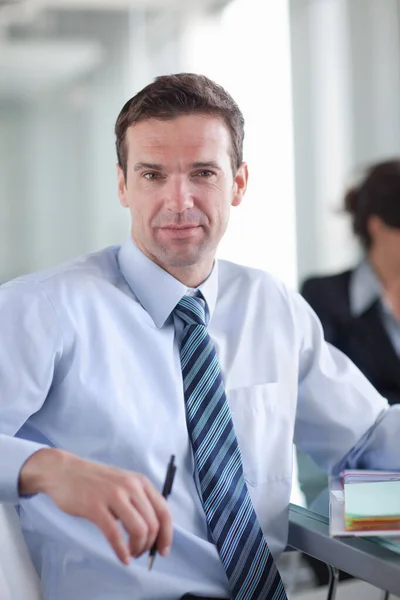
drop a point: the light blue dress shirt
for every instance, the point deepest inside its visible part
(365, 289)
(89, 362)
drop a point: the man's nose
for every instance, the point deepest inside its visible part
(178, 197)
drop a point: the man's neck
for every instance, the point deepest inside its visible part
(191, 275)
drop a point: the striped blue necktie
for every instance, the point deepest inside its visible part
(233, 524)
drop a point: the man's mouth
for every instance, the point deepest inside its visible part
(180, 231)
(179, 227)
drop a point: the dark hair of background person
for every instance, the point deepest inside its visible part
(377, 194)
(171, 96)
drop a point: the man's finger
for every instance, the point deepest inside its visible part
(112, 531)
(134, 523)
(163, 514)
(143, 505)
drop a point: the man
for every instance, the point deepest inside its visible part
(115, 361)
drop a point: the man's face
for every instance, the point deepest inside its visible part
(179, 189)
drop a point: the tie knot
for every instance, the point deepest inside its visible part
(191, 311)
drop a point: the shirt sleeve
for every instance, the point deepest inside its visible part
(30, 346)
(341, 420)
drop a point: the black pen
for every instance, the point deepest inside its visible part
(169, 479)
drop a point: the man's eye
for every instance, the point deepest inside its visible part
(205, 173)
(150, 176)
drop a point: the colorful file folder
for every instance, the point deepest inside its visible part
(371, 501)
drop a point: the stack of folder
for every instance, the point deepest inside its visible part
(371, 501)
(365, 503)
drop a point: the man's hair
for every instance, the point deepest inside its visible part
(377, 194)
(171, 96)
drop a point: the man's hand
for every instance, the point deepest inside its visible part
(102, 495)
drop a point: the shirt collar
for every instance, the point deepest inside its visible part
(364, 289)
(156, 290)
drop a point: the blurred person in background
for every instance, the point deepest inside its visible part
(360, 308)
(116, 360)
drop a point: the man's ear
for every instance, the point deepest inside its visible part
(122, 195)
(240, 184)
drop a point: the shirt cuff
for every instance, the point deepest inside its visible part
(14, 452)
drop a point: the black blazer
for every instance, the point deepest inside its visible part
(362, 338)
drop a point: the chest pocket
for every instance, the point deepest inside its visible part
(260, 430)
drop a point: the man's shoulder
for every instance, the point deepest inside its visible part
(96, 266)
(251, 278)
